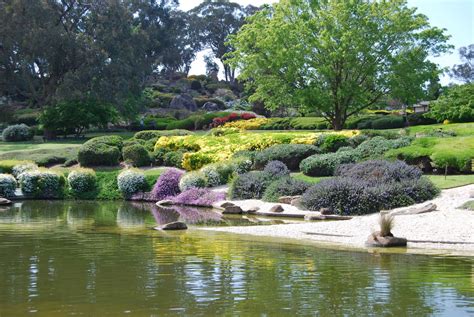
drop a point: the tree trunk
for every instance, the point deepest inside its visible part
(338, 122)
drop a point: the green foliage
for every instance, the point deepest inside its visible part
(17, 132)
(331, 142)
(194, 179)
(6, 166)
(353, 52)
(42, 184)
(45, 157)
(172, 158)
(76, 116)
(7, 185)
(82, 183)
(152, 134)
(326, 164)
(104, 150)
(455, 105)
(136, 155)
(388, 122)
(131, 181)
(290, 154)
(251, 185)
(285, 186)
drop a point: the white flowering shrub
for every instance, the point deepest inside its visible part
(81, 181)
(17, 132)
(192, 180)
(42, 184)
(212, 175)
(19, 169)
(7, 185)
(243, 165)
(131, 181)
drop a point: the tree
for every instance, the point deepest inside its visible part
(335, 57)
(215, 20)
(68, 117)
(465, 72)
(455, 105)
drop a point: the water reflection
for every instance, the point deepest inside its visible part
(92, 263)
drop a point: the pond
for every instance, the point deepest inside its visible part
(102, 259)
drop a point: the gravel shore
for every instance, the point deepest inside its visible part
(446, 230)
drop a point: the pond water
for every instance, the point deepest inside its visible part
(102, 259)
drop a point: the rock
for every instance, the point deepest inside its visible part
(376, 240)
(287, 199)
(210, 106)
(177, 225)
(232, 210)
(252, 210)
(414, 210)
(326, 211)
(319, 216)
(227, 204)
(471, 194)
(165, 202)
(4, 202)
(296, 202)
(277, 208)
(183, 102)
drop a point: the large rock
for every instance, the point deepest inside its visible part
(326, 211)
(379, 241)
(252, 210)
(4, 202)
(232, 210)
(183, 102)
(414, 210)
(287, 199)
(177, 225)
(296, 202)
(277, 208)
(318, 216)
(210, 106)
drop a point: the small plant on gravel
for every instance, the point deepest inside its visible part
(386, 223)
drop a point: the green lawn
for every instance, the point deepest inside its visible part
(309, 179)
(461, 129)
(451, 180)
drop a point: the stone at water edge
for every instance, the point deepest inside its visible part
(319, 216)
(252, 210)
(232, 210)
(326, 211)
(277, 208)
(227, 204)
(287, 199)
(378, 241)
(177, 225)
(4, 202)
(413, 210)
(296, 202)
(165, 202)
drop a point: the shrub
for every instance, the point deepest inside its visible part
(325, 164)
(190, 180)
(194, 161)
(7, 185)
(251, 185)
(157, 156)
(186, 124)
(290, 154)
(42, 184)
(388, 122)
(17, 132)
(17, 170)
(131, 181)
(455, 105)
(377, 146)
(82, 182)
(212, 175)
(379, 171)
(419, 119)
(195, 85)
(153, 134)
(202, 197)
(276, 169)
(173, 158)
(6, 166)
(167, 184)
(136, 155)
(104, 150)
(286, 186)
(331, 142)
(242, 165)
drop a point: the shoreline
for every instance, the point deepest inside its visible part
(445, 231)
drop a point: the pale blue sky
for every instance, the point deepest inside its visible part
(454, 15)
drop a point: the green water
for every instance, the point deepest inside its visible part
(102, 259)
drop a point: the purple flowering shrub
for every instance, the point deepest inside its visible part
(380, 171)
(276, 169)
(167, 184)
(199, 197)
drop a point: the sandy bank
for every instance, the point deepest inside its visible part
(446, 229)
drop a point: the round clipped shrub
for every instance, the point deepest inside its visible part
(42, 184)
(167, 184)
(380, 171)
(104, 150)
(242, 165)
(378, 145)
(82, 181)
(276, 169)
(154, 134)
(131, 181)
(194, 161)
(19, 169)
(212, 175)
(173, 158)
(285, 186)
(202, 197)
(290, 154)
(17, 132)
(7, 185)
(325, 164)
(251, 185)
(331, 142)
(136, 155)
(194, 179)
(388, 122)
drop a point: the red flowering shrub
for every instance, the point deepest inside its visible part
(232, 117)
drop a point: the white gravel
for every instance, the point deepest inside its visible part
(447, 228)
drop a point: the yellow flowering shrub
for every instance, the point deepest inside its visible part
(251, 124)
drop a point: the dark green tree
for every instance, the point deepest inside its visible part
(465, 71)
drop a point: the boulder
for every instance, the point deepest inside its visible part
(210, 106)
(277, 208)
(183, 102)
(4, 202)
(165, 202)
(252, 210)
(296, 202)
(326, 211)
(287, 199)
(177, 225)
(414, 210)
(318, 216)
(232, 210)
(379, 241)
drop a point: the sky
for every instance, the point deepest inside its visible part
(456, 16)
